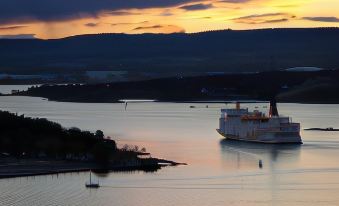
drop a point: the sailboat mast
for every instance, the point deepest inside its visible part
(90, 177)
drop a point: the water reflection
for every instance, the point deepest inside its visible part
(218, 172)
(249, 155)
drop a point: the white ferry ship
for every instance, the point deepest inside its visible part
(256, 126)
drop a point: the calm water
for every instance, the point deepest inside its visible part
(218, 172)
(7, 89)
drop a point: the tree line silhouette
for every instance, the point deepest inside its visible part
(225, 50)
(26, 137)
(260, 86)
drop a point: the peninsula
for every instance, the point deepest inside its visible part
(34, 146)
(286, 86)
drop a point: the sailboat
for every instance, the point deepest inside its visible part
(91, 184)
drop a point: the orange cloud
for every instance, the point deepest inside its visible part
(166, 29)
(168, 16)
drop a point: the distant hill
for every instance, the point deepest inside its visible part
(217, 51)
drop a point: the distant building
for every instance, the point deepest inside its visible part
(14, 91)
(107, 75)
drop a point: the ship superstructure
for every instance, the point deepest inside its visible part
(256, 126)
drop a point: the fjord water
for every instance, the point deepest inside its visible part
(219, 172)
(7, 89)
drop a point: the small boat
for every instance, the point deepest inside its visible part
(91, 184)
(260, 164)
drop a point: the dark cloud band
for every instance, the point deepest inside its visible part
(322, 19)
(11, 27)
(13, 11)
(195, 7)
(264, 18)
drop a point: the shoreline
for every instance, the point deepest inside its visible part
(12, 167)
(210, 101)
(25, 168)
(8, 176)
(317, 87)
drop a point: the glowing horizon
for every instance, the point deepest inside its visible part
(186, 16)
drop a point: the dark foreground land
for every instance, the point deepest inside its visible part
(19, 167)
(285, 86)
(31, 146)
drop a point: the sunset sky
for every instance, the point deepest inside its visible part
(61, 18)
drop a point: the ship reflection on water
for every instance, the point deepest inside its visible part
(242, 155)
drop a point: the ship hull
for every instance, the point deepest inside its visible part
(268, 138)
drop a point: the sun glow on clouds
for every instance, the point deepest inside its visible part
(193, 16)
